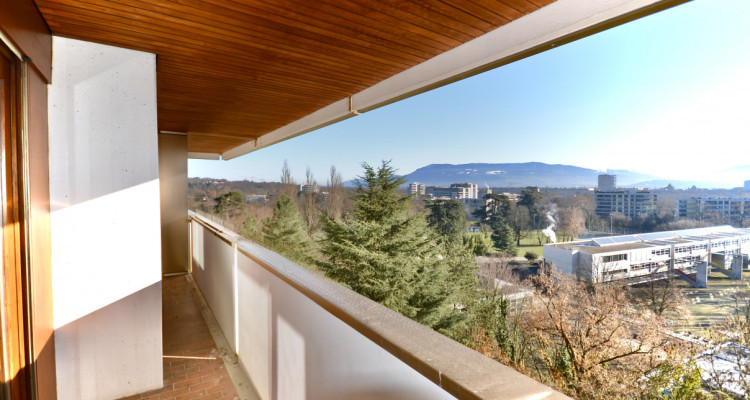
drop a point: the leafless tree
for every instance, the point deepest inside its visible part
(508, 300)
(662, 295)
(571, 221)
(592, 342)
(335, 199)
(288, 187)
(310, 210)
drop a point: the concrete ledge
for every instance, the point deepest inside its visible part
(460, 371)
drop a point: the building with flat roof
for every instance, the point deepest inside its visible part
(313, 188)
(415, 188)
(454, 192)
(607, 182)
(466, 190)
(725, 210)
(637, 258)
(632, 203)
(250, 198)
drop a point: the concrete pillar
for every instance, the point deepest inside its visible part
(736, 267)
(701, 276)
(173, 188)
(106, 242)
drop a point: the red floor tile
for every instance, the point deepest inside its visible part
(192, 366)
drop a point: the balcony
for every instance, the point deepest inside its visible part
(95, 147)
(298, 335)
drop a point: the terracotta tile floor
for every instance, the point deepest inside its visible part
(193, 368)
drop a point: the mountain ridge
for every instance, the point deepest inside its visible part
(535, 173)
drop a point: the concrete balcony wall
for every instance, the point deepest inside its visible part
(105, 221)
(213, 259)
(299, 335)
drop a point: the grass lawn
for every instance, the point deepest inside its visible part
(531, 243)
(711, 305)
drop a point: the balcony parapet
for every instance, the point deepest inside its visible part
(289, 294)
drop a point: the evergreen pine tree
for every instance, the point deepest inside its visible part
(285, 232)
(391, 256)
(504, 240)
(448, 219)
(249, 227)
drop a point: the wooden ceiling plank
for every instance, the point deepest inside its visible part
(184, 87)
(336, 35)
(179, 33)
(499, 7)
(451, 16)
(377, 24)
(484, 13)
(311, 43)
(271, 81)
(268, 100)
(238, 108)
(337, 26)
(523, 6)
(259, 36)
(365, 14)
(208, 57)
(417, 18)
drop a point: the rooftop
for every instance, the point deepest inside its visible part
(608, 244)
(612, 248)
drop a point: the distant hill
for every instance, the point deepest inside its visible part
(215, 186)
(519, 175)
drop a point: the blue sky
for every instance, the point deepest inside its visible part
(668, 95)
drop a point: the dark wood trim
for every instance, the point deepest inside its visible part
(21, 21)
(17, 351)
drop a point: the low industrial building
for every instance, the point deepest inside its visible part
(642, 257)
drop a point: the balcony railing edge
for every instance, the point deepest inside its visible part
(462, 372)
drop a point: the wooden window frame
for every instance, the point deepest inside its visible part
(16, 353)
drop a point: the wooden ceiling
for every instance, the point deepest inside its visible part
(229, 71)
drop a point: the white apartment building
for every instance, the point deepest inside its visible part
(466, 190)
(314, 188)
(455, 192)
(416, 188)
(635, 257)
(731, 210)
(632, 203)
